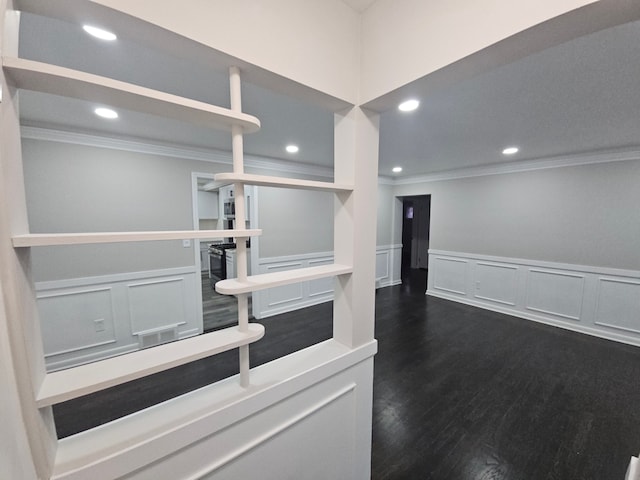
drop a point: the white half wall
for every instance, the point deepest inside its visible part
(305, 416)
(602, 302)
(283, 299)
(88, 319)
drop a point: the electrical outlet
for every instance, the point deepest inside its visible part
(186, 243)
(99, 324)
(477, 285)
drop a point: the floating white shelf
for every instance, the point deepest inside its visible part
(43, 77)
(266, 181)
(253, 283)
(75, 382)
(50, 239)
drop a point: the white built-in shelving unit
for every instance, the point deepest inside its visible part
(78, 381)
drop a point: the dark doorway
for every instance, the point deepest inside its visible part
(416, 218)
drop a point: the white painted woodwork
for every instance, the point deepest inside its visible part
(253, 283)
(28, 440)
(78, 381)
(219, 425)
(312, 394)
(603, 302)
(356, 161)
(286, 298)
(42, 77)
(267, 181)
(633, 470)
(207, 205)
(50, 239)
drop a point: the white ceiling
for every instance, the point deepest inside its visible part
(577, 97)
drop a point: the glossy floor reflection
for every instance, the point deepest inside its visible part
(464, 393)
(460, 393)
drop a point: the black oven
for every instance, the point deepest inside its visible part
(230, 209)
(218, 261)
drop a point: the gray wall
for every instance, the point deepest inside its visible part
(585, 215)
(298, 221)
(74, 188)
(385, 208)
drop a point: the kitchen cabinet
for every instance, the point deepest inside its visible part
(207, 205)
(232, 269)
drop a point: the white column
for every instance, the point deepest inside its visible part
(356, 162)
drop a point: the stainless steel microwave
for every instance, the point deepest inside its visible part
(230, 209)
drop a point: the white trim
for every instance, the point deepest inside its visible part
(618, 272)
(256, 442)
(538, 318)
(263, 308)
(155, 148)
(523, 166)
(565, 305)
(113, 278)
(152, 434)
(124, 334)
(224, 158)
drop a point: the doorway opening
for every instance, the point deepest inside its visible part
(416, 220)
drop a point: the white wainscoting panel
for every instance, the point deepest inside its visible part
(306, 416)
(543, 288)
(287, 298)
(598, 301)
(450, 274)
(77, 319)
(148, 312)
(89, 319)
(322, 287)
(497, 283)
(618, 304)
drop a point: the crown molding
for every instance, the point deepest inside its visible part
(190, 153)
(525, 166)
(224, 158)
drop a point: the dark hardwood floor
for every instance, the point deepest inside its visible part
(459, 392)
(464, 393)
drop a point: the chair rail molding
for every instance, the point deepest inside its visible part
(275, 301)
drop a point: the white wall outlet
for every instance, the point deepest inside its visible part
(186, 243)
(477, 285)
(99, 324)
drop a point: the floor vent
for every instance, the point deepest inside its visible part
(151, 338)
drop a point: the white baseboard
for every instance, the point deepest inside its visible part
(287, 298)
(597, 301)
(89, 319)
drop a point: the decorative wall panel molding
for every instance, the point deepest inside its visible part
(450, 274)
(279, 300)
(92, 318)
(603, 302)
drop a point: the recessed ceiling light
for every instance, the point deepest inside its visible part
(510, 150)
(292, 148)
(106, 113)
(409, 105)
(396, 169)
(99, 33)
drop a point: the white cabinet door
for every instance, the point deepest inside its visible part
(231, 264)
(207, 205)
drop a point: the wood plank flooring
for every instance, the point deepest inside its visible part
(459, 392)
(218, 311)
(464, 393)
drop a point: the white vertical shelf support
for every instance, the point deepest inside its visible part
(240, 215)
